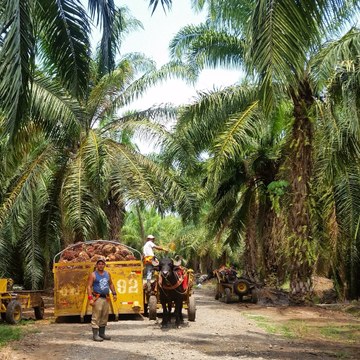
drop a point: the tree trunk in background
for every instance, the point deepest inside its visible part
(279, 234)
(300, 250)
(269, 246)
(79, 237)
(224, 259)
(141, 223)
(251, 254)
(337, 264)
(207, 264)
(115, 212)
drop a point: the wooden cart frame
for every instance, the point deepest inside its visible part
(12, 303)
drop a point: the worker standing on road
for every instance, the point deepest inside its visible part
(148, 255)
(99, 284)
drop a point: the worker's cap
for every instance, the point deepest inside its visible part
(100, 259)
(150, 237)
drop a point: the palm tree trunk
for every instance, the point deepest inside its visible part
(300, 240)
(251, 254)
(115, 212)
(141, 223)
(269, 246)
(207, 264)
(337, 264)
(278, 236)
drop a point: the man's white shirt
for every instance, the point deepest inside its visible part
(148, 248)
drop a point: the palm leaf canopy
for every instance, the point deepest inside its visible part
(206, 46)
(271, 40)
(56, 32)
(283, 34)
(154, 4)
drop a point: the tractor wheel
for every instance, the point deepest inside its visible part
(13, 312)
(39, 311)
(227, 295)
(152, 306)
(191, 309)
(241, 287)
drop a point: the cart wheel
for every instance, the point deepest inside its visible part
(39, 311)
(152, 307)
(241, 287)
(227, 295)
(191, 309)
(13, 312)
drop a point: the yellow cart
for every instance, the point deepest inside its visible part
(70, 282)
(12, 303)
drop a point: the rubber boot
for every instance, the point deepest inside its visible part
(96, 336)
(102, 333)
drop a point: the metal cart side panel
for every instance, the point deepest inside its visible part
(70, 282)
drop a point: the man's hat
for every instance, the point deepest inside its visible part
(150, 237)
(101, 259)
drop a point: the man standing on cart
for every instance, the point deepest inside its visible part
(148, 253)
(99, 284)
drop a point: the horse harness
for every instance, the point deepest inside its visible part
(179, 275)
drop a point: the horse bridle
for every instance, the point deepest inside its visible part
(174, 286)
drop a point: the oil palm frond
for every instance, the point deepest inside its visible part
(65, 43)
(16, 61)
(203, 46)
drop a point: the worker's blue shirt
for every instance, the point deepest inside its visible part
(101, 283)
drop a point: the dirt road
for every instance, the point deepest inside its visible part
(221, 331)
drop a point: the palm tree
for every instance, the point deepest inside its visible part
(76, 177)
(75, 170)
(336, 167)
(274, 41)
(55, 33)
(239, 169)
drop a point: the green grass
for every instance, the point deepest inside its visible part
(263, 322)
(287, 332)
(10, 333)
(346, 333)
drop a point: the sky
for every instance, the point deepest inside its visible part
(154, 40)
